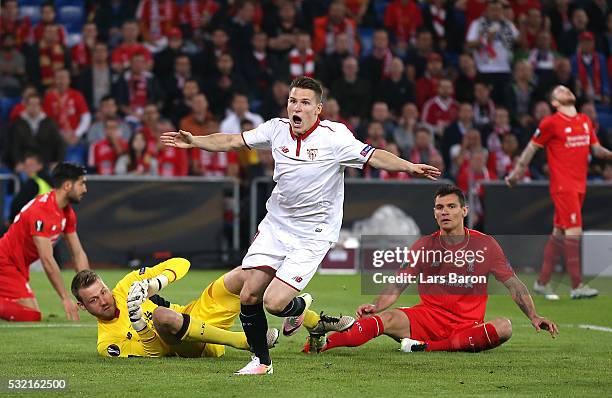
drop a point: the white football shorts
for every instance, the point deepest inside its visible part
(294, 259)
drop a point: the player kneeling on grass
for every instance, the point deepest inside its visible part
(31, 237)
(450, 316)
(133, 320)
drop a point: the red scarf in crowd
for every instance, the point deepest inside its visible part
(161, 18)
(301, 66)
(138, 91)
(583, 74)
(438, 16)
(386, 56)
(51, 59)
(197, 13)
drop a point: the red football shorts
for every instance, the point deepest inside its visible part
(568, 209)
(13, 284)
(427, 324)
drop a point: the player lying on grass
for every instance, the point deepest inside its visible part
(450, 316)
(133, 320)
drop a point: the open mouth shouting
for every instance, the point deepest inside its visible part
(297, 121)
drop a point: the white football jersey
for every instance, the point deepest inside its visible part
(309, 174)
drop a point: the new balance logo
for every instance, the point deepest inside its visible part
(298, 279)
(284, 149)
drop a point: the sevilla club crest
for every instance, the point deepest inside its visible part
(312, 153)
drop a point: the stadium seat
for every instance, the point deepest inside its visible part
(71, 14)
(604, 116)
(76, 154)
(379, 10)
(365, 36)
(6, 105)
(30, 9)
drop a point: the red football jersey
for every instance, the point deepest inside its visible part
(435, 110)
(460, 301)
(568, 143)
(213, 164)
(39, 29)
(158, 17)
(121, 55)
(102, 155)
(197, 13)
(65, 109)
(81, 55)
(172, 162)
(40, 217)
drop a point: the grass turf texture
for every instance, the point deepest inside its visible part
(575, 364)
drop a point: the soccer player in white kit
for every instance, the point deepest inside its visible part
(304, 210)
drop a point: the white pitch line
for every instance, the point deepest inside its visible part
(8, 325)
(595, 327)
(45, 325)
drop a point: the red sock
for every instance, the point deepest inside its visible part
(478, 338)
(360, 333)
(12, 311)
(572, 259)
(552, 252)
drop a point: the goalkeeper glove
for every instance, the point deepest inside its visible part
(135, 298)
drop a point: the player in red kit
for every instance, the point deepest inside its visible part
(450, 316)
(569, 138)
(31, 237)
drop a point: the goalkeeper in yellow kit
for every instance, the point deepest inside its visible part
(133, 320)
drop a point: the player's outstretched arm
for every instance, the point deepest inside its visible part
(217, 142)
(520, 295)
(385, 299)
(384, 160)
(521, 165)
(76, 249)
(45, 253)
(157, 277)
(601, 152)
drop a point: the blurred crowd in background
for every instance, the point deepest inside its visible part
(458, 84)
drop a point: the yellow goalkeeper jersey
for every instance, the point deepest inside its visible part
(117, 337)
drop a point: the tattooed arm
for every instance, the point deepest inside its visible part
(523, 299)
(522, 164)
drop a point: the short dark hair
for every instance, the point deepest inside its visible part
(244, 122)
(107, 98)
(82, 279)
(32, 154)
(450, 189)
(67, 171)
(308, 83)
(424, 128)
(28, 98)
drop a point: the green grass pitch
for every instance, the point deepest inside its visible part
(577, 363)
